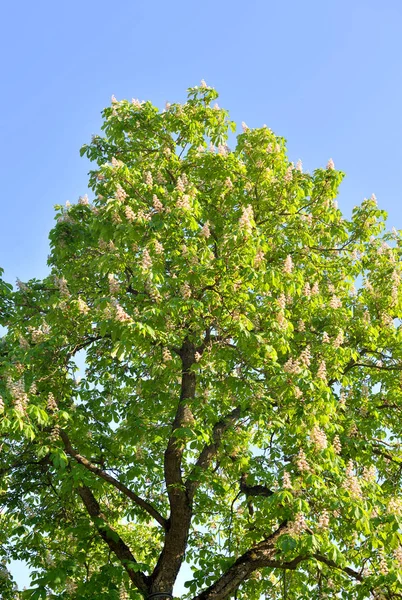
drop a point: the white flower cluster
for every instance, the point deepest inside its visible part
(157, 204)
(259, 257)
(181, 184)
(318, 438)
(82, 306)
(298, 526)
(20, 398)
(130, 214)
(337, 446)
(114, 285)
(305, 357)
(246, 219)
(398, 556)
(322, 371)
(288, 265)
(338, 341)
(61, 283)
(121, 314)
(351, 482)
(369, 474)
(301, 461)
(120, 193)
(323, 520)
(185, 291)
(184, 202)
(146, 261)
(51, 403)
(395, 507)
(166, 355)
(292, 366)
(205, 231)
(286, 481)
(335, 302)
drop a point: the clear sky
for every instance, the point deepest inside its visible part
(325, 75)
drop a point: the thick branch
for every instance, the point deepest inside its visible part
(261, 555)
(112, 539)
(110, 479)
(209, 451)
(172, 555)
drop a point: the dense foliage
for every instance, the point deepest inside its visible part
(239, 404)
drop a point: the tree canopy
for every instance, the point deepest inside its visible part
(238, 405)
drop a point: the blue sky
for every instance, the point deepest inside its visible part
(327, 76)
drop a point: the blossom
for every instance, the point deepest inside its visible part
(322, 371)
(203, 84)
(337, 446)
(158, 247)
(121, 314)
(286, 481)
(305, 356)
(136, 103)
(24, 344)
(82, 306)
(116, 163)
(307, 290)
(369, 474)
(291, 366)
(318, 438)
(301, 461)
(157, 204)
(184, 202)
(146, 261)
(383, 566)
(398, 556)
(330, 165)
(301, 326)
(315, 289)
(51, 403)
(130, 214)
(197, 357)
(228, 183)
(246, 218)
(205, 231)
(288, 265)
(299, 166)
(288, 175)
(22, 286)
(259, 257)
(244, 127)
(114, 285)
(120, 193)
(185, 291)
(335, 302)
(338, 341)
(166, 355)
(180, 185)
(325, 337)
(148, 178)
(223, 150)
(323, 520)
(373, 198)
(61, 283)
(298, 392)
(395, 507)
(351, 482)
(282, 301)
(297, 526)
